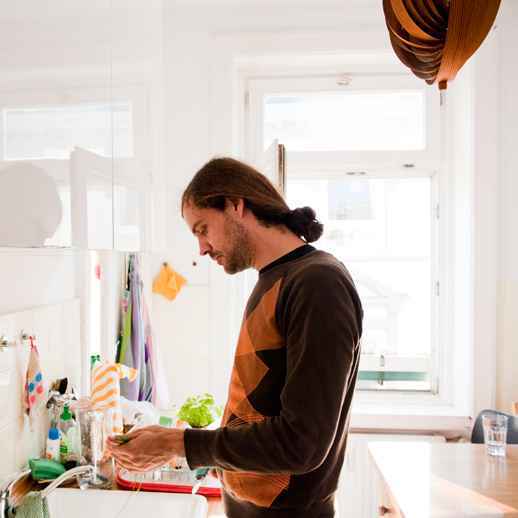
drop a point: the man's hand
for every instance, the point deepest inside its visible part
(147, 448)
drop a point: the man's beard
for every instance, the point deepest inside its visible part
(240, 255)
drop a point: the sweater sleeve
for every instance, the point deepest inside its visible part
(319, 317)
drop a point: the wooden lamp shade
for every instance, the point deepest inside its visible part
(434, 38)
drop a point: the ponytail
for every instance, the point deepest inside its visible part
(303, 223)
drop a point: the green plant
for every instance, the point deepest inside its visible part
(199, 411)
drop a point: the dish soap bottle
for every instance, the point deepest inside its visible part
(69, 448)
(53, 445)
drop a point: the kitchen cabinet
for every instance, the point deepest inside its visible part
(80, 123)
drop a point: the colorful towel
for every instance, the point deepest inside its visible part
(105, 394)
(136, 348)
(133, 351)
(34, 393)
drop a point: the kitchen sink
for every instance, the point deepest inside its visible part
(64, 503)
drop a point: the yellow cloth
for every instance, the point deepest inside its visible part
(106, 394)
(168, 282)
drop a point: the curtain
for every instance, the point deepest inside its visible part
(434, 38)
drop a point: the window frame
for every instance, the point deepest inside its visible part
(258, 88)
(373, 164)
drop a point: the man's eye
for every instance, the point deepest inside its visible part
(203, 231)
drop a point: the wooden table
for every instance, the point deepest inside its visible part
(430, 480)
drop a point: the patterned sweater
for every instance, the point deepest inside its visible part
(284, 431)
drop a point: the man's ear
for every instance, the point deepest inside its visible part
(235, 206)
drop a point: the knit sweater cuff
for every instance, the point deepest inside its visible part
(198, 447)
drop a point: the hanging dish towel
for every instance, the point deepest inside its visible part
(168, 282)
(137, 348)
(33, 506)
(133, 350)
(106, 395)
(34, 393)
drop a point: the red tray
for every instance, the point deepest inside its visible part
(170, 482)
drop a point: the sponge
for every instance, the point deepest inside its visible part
(45, 469)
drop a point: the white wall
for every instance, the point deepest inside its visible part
(507, 359)
(33, 278)
(57, 331)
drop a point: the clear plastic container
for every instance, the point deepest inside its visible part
(93, 438)
(70, 449)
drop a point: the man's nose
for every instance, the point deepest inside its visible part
(205, 247)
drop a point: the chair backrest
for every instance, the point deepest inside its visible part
(477, 434)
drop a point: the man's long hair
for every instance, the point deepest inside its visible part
(223, 179)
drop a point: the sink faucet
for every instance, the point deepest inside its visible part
(80, 470)
(7, 486)
(5, 490)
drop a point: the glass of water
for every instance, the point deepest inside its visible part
(495, 433)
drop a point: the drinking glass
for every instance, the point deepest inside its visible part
(495, 433)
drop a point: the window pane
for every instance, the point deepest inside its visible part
(346, 121)
(396, 298)
(381, 229)
(370, 218)
(53, 132)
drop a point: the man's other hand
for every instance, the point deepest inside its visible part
(147, 448)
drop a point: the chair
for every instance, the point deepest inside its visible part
(477, 434)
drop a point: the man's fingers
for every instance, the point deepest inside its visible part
(129, 461)
(140, 450)
(133, 466)
(121, 456)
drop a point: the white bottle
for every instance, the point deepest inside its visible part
(53, 444)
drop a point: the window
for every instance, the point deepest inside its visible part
(365, 158)
(351, 121)
(381, 229)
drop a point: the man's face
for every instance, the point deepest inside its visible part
(221, 235)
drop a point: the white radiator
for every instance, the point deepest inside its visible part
(357, 495)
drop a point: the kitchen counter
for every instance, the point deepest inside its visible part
(429, 480)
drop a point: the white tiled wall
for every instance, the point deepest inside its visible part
(57, 330)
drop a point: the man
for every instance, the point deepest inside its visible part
(282, 441)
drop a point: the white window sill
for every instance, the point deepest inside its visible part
(408, 413)
(449, 426)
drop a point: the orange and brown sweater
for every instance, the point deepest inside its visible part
(282, 441)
